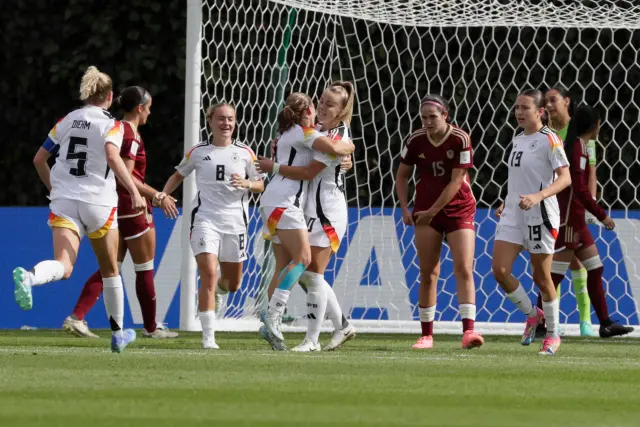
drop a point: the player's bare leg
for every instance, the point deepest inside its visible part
(541, 266)
(428, 245)
(592, 263)
(504, 255)
(462, 244)
(65, 251)
(229, 281)
(208, 269)
(106, 250)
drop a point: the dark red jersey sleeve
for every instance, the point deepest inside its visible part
(579, 180)
(463, 157)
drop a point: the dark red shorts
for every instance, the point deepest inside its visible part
(135, 226)
(444, 224)
(574, 238)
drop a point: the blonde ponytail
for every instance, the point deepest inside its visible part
(347, 92)
(95, 86)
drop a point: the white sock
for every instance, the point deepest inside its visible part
(520, 298)
(427, 314)
(334, 311)
(316, 306)
(114, 302)
(552, 316)
(46, 271)
(208, 322)
(467, 311)
(278, 302)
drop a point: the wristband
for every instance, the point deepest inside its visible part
(276, 168)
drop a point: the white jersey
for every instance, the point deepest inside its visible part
(293, 148)
(81, 171)
(218, 204)
(326, 191)
(532, 164)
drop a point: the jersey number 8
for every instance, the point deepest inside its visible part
(219, 172)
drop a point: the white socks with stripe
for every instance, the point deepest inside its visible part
(316, 306)
(45, 272)
(552, 316)
(520, 298)
(114, 302)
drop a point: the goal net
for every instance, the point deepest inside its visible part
(476, 53)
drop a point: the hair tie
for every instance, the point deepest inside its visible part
(436, 103)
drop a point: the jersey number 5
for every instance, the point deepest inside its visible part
(80, 156)
(438, 170)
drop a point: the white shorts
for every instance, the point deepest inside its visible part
(281, 218)
(227, 247)
(536, 239)
(83, 218)
(324, 233)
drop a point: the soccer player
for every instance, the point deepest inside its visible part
(282, 205)
(83, 197)
(531, 217)
(574, 238)
(325, 212)
(225, 172)
(558, 106)
(137, 231)
(444, 208)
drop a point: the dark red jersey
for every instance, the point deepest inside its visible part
(574, 199)
(132, 148)
(435, 162)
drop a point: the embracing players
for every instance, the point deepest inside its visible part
(325, 211)
(444, 209)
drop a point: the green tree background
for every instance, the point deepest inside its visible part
(49, 44)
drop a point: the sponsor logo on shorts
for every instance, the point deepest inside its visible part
(201, 243)
(421, 156)
(537, 246)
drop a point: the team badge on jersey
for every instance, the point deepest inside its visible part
(450, 154)
(235, 158)
(533, 145)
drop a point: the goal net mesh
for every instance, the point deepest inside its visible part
(478, 55)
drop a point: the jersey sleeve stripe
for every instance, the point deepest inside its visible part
(251, 153)
(115, 132)
(466, 140)
(202, 144)
(554, 141)
(416, 134)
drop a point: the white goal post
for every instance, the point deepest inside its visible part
(476, 53)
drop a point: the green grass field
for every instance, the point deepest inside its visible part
(48, 378)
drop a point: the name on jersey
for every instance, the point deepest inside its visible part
(81, 124)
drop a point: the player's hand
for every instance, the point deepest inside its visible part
(169, 208)
(264, 165)
(609, 224)
(346, 164)
(499, 211)
(407, 217)
(239, 182)
(528, 201)
(425, 217)
(138, 203)
(158, 198)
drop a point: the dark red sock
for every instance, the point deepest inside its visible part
(427, 328)
(146, 292)
(89, 295)
(597, 296)
(467, 325)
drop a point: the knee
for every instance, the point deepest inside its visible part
(542, 279)
(232, 285)
(500, 272)
(429, 279)
(303, 258)
(463, 273)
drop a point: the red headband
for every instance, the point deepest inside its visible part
(436, 103)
